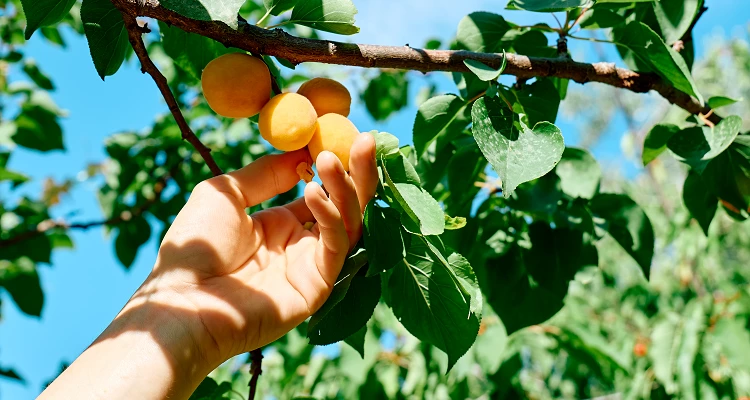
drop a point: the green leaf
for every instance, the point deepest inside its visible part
(277, 7)
(483, 71)
(579, 173)
(402, 170)
(434, 117)
(335, 16)
(225, 11)
(37, 128)
(701, 203)
(463, 172)
(516, 156)
(349, 315)
(675, 17)
(721, 101)
(422, 208)
(210, 390)
(349, 270)
(428, 295)
(481, 32)
(656, 141)
(628, 224)
(540, 101)
(533, 43)
(130, 237)
(453, 223)
(548, 5)
(357, 340)
(386, 145)
(528, 286)
(7, 175)
(734, 339)
(21, 281)
(663, 352)
(40, 79)
(386, 94)
(44, 13)
(106, 35)
(694, 318)
(649, 48)
(697, 145)
(190, 51)
(600, 18)
(383, 241)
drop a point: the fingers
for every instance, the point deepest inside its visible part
(300, 210)
(333, 244)
(341, 192)
(262, 179)
(364, 171)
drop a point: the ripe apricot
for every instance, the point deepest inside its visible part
(327, 96)
(640, 349)
(236, 85)
(336, 134)
(288, 121)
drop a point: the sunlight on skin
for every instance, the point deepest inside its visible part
(224, 282)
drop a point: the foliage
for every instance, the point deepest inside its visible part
(495, 260)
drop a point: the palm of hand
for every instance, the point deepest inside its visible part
(250, 279)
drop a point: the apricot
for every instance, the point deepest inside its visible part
(327, 96)
(640, 349)
(336, 134)
(236, 85)
(288, 121)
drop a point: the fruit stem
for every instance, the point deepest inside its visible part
(263, 18)
(277, 25)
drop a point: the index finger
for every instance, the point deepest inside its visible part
(262, 179)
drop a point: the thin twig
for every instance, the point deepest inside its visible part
(48, 225)
(276, 42)
(256, 358)
(135, 32)
(688, 35)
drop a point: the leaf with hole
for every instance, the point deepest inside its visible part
(517, 156)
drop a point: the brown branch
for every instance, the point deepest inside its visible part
(135, 32)
(125, 216)
(256, 358)
(278, 43)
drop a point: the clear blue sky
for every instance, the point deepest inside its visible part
(86, 287)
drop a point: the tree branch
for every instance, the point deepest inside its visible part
(147, 66)
(48, 225)
(278, 43)
(256, 358)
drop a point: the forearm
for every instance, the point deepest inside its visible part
(150, 351)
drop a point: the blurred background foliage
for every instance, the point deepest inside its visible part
(684, 333)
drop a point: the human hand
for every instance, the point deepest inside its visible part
(224, 282)
(253, 278)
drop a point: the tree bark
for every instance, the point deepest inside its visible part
(298, 50)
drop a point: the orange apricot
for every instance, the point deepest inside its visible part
(327, 96)
(288, 121)
(335, 133)
(236, 85)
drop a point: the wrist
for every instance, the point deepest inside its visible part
(175, 323)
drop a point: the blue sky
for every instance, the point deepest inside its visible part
(86, 287)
